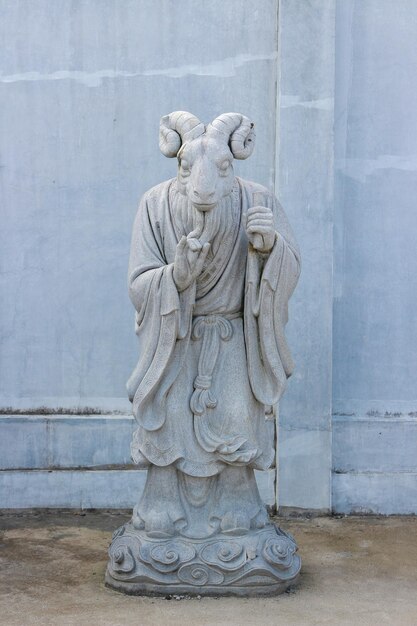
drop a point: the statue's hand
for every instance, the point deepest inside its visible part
(260, 228)
(188, 262)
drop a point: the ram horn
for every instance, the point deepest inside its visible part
(176, 129)
(240, 133)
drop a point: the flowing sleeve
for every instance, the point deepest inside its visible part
(163, 316)
(270, 282)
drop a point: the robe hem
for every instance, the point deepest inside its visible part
(202, 470)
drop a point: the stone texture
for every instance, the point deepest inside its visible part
(99, 488)
(375, 323)
(70, 98)
(213, 264)
(304, 182)
(258, 563)
(80, 80)
(78, 489)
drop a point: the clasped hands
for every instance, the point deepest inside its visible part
(190, 254)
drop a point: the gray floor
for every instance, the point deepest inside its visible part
(360, 571)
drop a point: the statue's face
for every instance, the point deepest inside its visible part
(205, 172)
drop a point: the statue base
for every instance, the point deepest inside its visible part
(261, 562)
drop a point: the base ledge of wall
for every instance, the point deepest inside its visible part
(89, 488)
(289, 512)
(374, 464)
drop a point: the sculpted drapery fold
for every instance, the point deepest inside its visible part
(270, 283)
(163, 317)
(164, 322)
(213, 264)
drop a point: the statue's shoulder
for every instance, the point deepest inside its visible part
(249, 187)
(158, 192)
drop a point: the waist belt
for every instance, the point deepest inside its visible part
(212, 330)
(226, 316)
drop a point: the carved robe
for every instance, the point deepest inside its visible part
(213, 358)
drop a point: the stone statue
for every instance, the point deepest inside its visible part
(213, 264)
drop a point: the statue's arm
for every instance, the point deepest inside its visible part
(271, 277)
(163, 314)
(150, 276)
(155, 284)
(283, 262)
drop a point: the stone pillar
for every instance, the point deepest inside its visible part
(304, 185)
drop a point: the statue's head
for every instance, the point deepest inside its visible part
(205, 154)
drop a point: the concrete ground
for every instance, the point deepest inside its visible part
(360, 571)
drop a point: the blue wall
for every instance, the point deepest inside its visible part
(375, 252)
(305, 186)
(375, 317)
(83, 87)
(331, 87)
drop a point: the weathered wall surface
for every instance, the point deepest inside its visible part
(83, 86)
(305, 185)
(375, 284)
